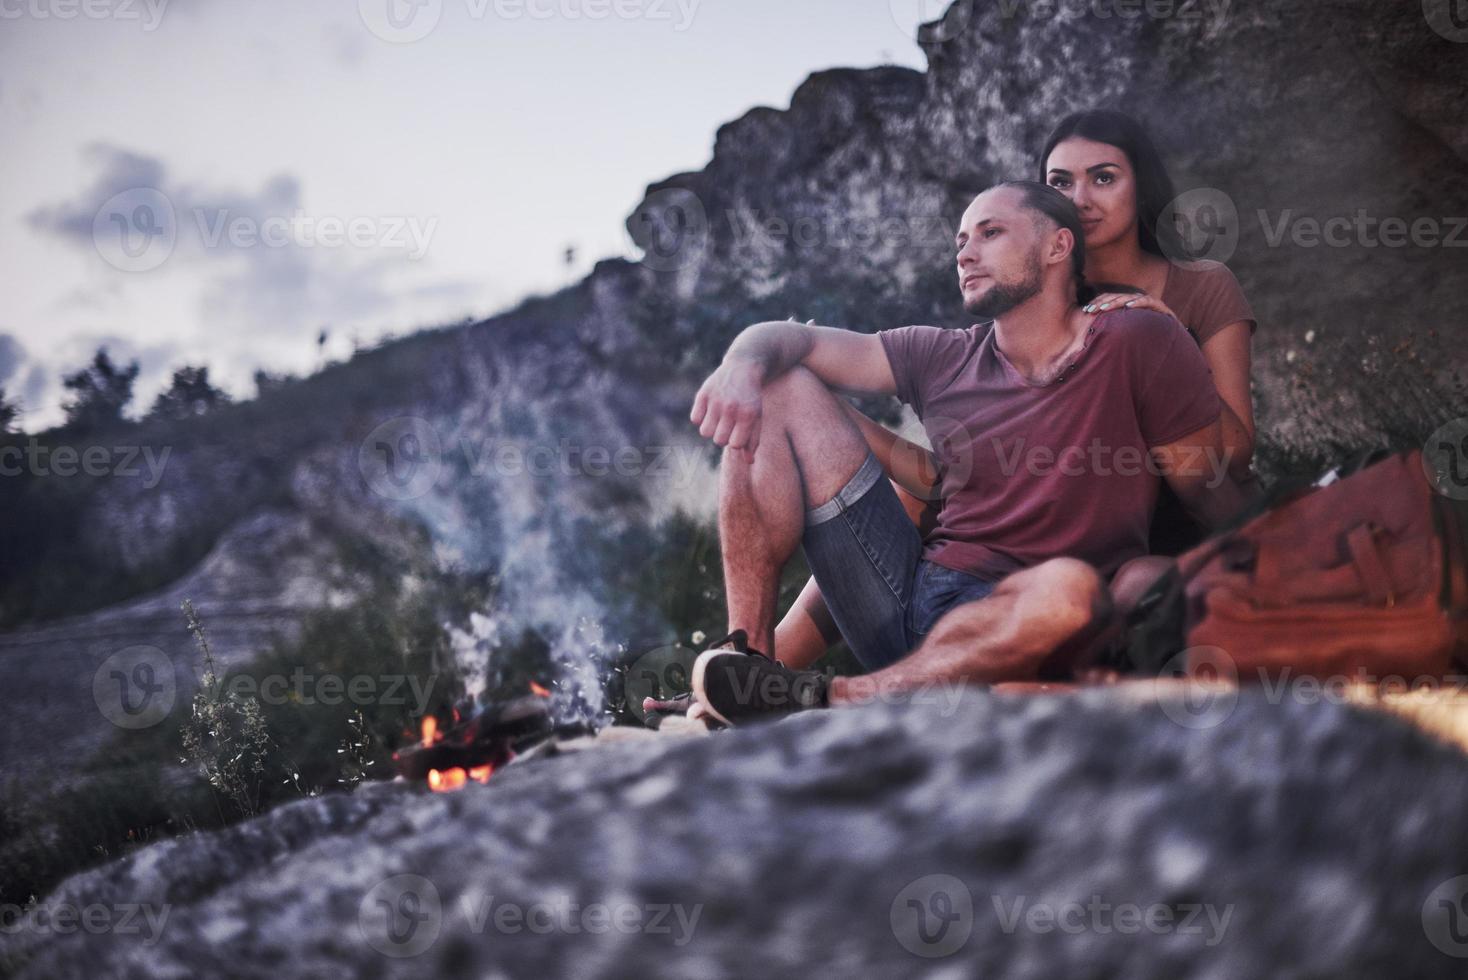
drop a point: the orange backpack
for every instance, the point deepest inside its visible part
(1365, 578)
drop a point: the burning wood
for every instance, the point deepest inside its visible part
(488, 739)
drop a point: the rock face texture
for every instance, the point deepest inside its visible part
(981, 836)
(1279, 116)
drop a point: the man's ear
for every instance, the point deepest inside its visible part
(1062, 245)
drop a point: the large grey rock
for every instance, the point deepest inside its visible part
(1310, 839)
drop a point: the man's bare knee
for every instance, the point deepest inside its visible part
(827, 446)
(795, 388)
(994, 643)
(789, 402)
(1067, 592)
(1029, 616)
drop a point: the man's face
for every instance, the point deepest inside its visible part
(1000, 243)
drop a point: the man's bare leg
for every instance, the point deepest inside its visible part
(1004, 637)
(808, 450)
(808, 630)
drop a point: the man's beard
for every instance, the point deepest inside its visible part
(1005, 296)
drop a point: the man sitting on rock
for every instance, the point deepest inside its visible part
(1051, 430)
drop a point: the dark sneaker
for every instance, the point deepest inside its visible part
(736, 687)
(656, 709)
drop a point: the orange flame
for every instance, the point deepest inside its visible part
(430, 730)
(481, 773)
(446, 781)
(539, 691)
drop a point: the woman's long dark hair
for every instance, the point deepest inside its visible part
(1154, 186)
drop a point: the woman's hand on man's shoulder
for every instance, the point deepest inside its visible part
(1127, 301)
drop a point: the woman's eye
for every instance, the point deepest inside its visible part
(1104, 178)
(1059, 183)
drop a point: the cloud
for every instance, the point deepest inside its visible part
(262, 261)
(99, 297)
(346, 42)
(23, 378)
(255, 273)
(11, 355)
(120, 171)
(33, 389)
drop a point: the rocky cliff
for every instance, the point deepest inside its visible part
(977, 836)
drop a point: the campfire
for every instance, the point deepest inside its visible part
(475, 746)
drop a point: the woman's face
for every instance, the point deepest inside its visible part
(1098, 177)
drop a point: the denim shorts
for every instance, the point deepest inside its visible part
(867, 557)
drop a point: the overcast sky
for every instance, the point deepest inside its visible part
(416, 164)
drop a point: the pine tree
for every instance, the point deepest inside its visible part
(9, 412)
(189, 395)
(102, 390)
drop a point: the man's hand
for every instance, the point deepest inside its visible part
(727, 408)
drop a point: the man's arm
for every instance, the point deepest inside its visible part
(1196, 467)
(909, 465)
(843, 359)
(727, 407)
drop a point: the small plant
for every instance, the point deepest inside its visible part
(225, 733)
(356, 749)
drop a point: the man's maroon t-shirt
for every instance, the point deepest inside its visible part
(1034, 472)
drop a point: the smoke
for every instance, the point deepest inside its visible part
(552, 488)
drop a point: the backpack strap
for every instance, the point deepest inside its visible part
(1375, 580)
